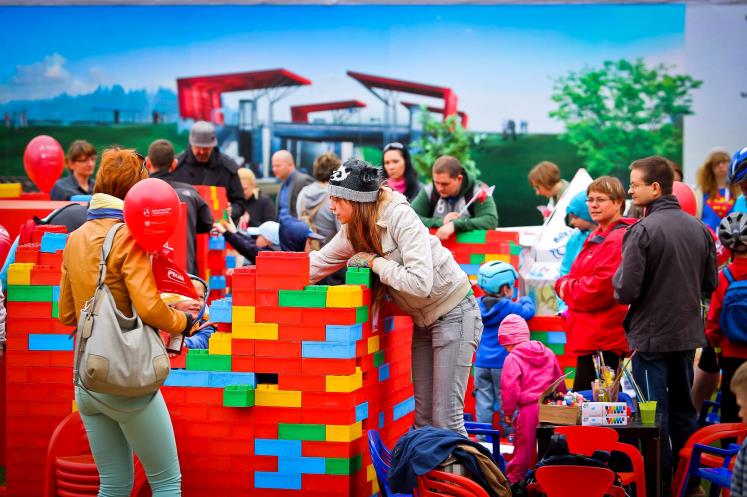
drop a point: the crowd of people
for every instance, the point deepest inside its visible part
(627, 286)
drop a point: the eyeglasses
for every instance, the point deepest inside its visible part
(634, 186)
(85, 159)
(597, 200)
(394, 146)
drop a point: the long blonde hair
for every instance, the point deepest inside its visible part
(706, 180)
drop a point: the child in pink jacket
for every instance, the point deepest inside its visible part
(528, 370)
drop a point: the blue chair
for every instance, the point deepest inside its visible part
(719, 477)
(494, 437)
(381, 459)
(709, 412)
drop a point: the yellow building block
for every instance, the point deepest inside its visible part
(267, 386)
(75, 406)
(373, 344)
(371, 473)
(344, 433)
(10, 190)
(277, 398)
(345, 296)
(344, 384)
(498, 257)
(220, 343)
(242, 314)
(255, 331)
(19, 273)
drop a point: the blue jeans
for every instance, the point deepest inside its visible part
(113, 434)
(670, 381)
(488, 396)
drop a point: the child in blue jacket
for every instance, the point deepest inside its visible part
(497, 279)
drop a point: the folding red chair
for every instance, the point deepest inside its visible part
(441, 484)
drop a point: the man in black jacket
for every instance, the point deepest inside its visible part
(160, 162)
(204, 164)
(668, 266)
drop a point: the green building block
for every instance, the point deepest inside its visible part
(311, 296)
(238, 396)
(514, 249)
(55, 310)
(475, 236)
(23, 293)
(378, 358)
(342, 465)
(540, 336)
(361, 314)
(358, 276)
(570, 370)
(201, 360)
(476, 258)
(291, 431)
(557, 348)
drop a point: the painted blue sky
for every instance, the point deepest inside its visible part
(500, 60)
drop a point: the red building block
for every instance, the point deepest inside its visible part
(45, 275)
(28, 252)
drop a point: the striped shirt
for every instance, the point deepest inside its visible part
(739, 478)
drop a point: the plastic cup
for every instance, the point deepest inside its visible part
(648, 412)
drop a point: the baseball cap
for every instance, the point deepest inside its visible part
(202, 134)
(268, 229)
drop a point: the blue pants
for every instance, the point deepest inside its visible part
(488, 396)
(113, 434)
(670, 381)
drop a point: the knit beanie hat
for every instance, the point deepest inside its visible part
(356, 180)
(513, 330)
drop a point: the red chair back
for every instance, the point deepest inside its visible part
(68, 439)
(441, 484)
(571, 481)
(586, 439)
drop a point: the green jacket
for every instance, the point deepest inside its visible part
(485, 214)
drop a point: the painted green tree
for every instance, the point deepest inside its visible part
(442, 137)
(623, 111)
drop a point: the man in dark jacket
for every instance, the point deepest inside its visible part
(439, 204)
(204, 164)
(668, 266)
(284, 169)
(160, 162)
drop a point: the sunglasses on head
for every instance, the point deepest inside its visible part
(394, 146)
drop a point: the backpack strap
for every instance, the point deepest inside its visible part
(727, 274)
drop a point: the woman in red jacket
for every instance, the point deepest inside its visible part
(595, 319)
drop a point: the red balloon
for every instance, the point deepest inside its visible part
(685, 197)
(151, 212)
(44, 161)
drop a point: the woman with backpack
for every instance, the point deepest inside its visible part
(726, 326)
(380, 231)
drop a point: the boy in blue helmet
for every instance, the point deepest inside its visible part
(738, 175)
(498, 280)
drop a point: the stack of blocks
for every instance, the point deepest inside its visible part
(473, 248)
(212, 259)
(39, 358)
(301, 373)
(550, 331)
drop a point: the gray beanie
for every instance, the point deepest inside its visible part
(202, 134)
(356, 180)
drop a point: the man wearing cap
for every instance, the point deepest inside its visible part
(204, 164)
(160, 162)
(284, 169)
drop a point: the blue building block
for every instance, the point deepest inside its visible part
(46, 341)
(388, 324)
(220, 311)
(556, 337)
(328, 350)
(470, 269)
(403, 408)
(383, 372)
(303, 465)
(217, 243)
(381, 420)
(280, 448)
(230, 261)
(284, 481)
(361, 412)
(220, 379)
(52, 242)
(344, 333)
(55, 294)
(81, 198)
(187, 378)
(217, 282)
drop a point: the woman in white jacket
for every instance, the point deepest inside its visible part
(382, 232)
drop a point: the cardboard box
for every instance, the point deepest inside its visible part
(605, 420)
(557, 415)
(600, 409)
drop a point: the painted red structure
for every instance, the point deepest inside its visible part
(200, 96)
(411, 106)
(300, 113)
(373, 83)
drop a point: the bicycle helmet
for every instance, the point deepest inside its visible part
(738, 167)
(733, 231)
(494, 274)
